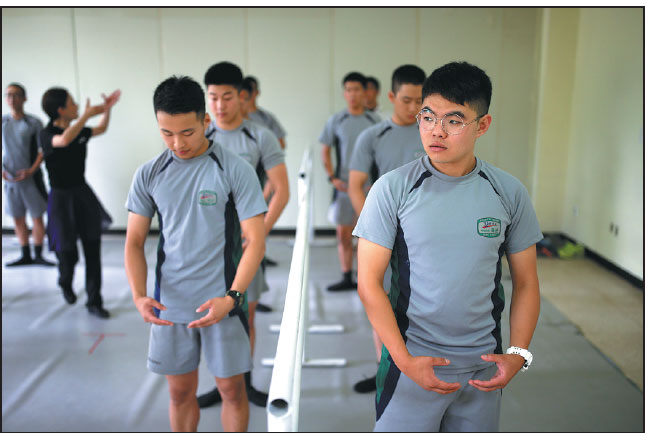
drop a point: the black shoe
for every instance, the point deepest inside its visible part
(366, 385)
(209, 399)
(343, 286)
(40, 261)
(22, 261)
(256, 397)
(263, 308)
(68, 294)
(269, 262)
(98, 311)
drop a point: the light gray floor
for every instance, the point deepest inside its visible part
(60, 374)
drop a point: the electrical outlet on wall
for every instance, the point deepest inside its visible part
(576, 211)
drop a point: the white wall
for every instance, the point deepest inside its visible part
(299, 56)
(590, 135)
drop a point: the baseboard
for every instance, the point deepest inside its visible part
(602, 261)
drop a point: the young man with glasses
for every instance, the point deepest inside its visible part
(21, 171)
(340, 133)
(444, 222)
(382, 148)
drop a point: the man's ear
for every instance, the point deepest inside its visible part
(483, 125)
(392, 97)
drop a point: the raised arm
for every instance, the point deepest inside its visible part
(357, 179)
(109, 102)
(72, 131)
(372, 263)
(523, 316)
(277, 179)
(253, 230)
(136, 268)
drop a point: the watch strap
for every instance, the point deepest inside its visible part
(526, 354)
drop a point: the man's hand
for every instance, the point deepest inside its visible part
(508, 366)
(421, 370)
(23, 174)
(146, 307)
(339, 184)
(217, 308)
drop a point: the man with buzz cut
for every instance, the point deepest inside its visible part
(206, 198)
(258, 146)
(340, 133)
(382, 148)
(444, 222)
(21, 171)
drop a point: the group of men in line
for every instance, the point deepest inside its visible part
(433, 223)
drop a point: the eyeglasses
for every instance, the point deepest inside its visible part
(451, 124)
(13, 95)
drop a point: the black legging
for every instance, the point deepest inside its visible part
(67, 261)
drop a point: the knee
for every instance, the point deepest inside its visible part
(181, 395)
(232, 389)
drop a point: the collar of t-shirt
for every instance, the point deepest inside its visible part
(447, 178)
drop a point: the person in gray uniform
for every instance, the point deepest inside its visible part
(444, 222)
(258, 114)
(371, 89)
(251, 91)
(21, 171)
(258, 146)
(382, 148)
(340, 133)
(207, 199)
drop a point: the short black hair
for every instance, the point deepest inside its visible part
(373, 81)
(19, 86)
(53, 99)
(355, 77)
(249, 84)
(224, 73)
(253, 82)
(461, 83)
(407, 74)
(179, 94)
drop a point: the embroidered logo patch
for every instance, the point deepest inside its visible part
(489, 227)
(207, 197)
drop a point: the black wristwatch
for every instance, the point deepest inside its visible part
(238, 298)
(331, 178)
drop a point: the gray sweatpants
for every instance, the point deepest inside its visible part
(410, 408)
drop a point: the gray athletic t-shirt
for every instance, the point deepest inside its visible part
(384, 147)
(268, 120)
(199, 203)
(340, 132)
(251, 141)
(447, 236)
(19, 142)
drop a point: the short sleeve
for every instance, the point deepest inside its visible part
(378, 221)
(139, 199)
(247, 194)
(524, 231)
(327, 136)
(271, 152)
(362, 158)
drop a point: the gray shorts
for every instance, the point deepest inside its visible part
(258, 286)
(403, 406)
(341, 211)
(175, 350)
(22, 197)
